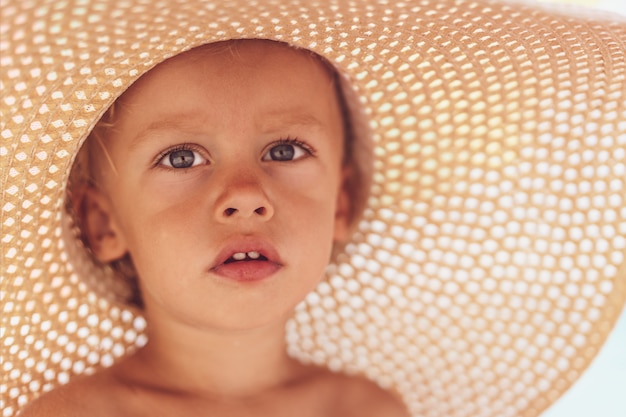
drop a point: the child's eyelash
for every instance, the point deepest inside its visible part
(176, 148)
(295, 141)
(191, 147)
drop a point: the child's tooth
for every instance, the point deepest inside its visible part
(239, 256)
(253, 255)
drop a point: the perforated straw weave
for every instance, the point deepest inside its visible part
(489, 266)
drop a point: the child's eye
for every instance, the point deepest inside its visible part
(180, 158)
(287, 150)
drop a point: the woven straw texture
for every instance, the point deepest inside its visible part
(489, 266)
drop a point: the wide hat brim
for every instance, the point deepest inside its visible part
(489, 266)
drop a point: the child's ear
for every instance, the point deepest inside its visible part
(344, 207)
(100, 230)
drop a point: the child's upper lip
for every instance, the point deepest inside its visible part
(245, 244)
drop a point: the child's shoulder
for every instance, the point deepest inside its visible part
(357, 396)
(85, 395)
(319, 393)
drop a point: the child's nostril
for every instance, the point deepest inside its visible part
(230, 211)
(261, 211)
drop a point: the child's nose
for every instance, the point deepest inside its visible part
(243, 200)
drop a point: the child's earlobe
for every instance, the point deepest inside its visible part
(100, 231)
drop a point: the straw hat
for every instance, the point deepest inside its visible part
(489, 265)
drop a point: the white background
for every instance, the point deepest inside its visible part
(601, 392)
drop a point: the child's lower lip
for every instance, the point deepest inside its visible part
(246, 271)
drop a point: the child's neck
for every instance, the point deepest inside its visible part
(215, 363)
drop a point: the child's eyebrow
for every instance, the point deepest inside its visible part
(277, 120)
(270, 122)
(172, 122)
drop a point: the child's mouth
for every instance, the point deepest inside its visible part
(247, 260)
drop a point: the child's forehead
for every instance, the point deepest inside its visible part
(247, 53)
(254, 60)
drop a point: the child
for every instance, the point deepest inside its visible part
(476, 252)
(222, 175)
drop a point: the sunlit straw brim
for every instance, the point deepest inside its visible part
(490, 263)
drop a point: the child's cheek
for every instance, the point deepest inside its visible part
(311, 180)
(163, 187)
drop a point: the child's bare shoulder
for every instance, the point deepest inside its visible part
(375, 401)
(358, 396)
(85, 395)
(320, 393)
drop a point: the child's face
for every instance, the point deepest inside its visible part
(216, 152)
